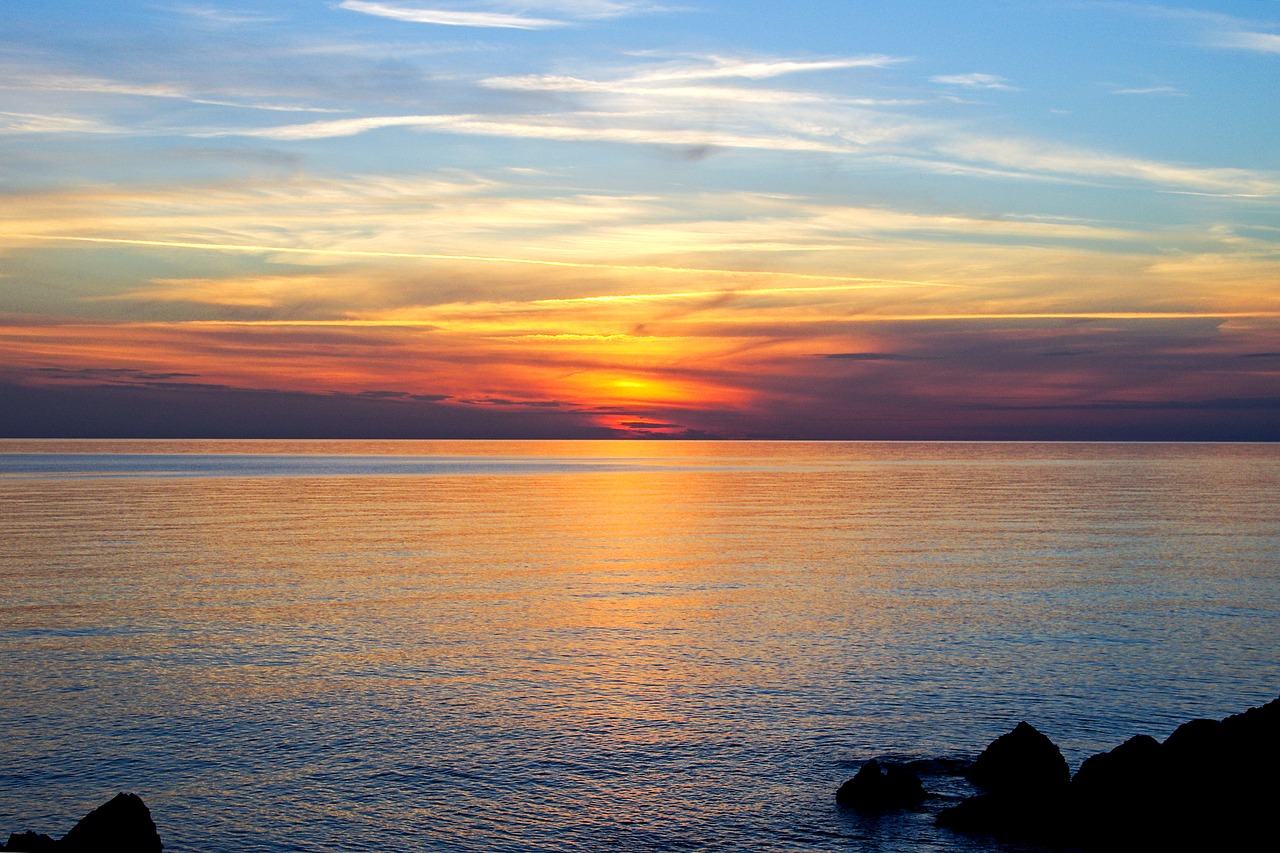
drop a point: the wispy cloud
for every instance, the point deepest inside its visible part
(976, 80)
(1164, 91)
(720, 94)
(50, 81)
(577, 128)
(223, 17)
(602, 250)
(599, 8)
(24, 123)
(1260, 42)
(773, 125)
(516, 17)
(660, 104)
(335, 127)
(1067, 160)
(717, 67)
(449, 17)
(1216, 29)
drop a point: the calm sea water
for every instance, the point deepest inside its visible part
(562, 646)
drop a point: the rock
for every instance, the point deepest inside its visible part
(1041, 819)
(122, 825)
(1026, 780)
(30, 842)
(1196, 746)
(1134, 766)
(1212, 785)
(877, 789)
(1022, 762)
(1120, 798)
(1224, 782)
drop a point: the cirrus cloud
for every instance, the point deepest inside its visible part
(450, 17)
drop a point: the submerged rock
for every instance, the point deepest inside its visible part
(879, 789)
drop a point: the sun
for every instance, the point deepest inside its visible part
(647, 403)
(636, 389)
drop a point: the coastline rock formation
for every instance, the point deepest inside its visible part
(1025, 780)
(121, 825)
(876, 789)
(1021, 761)
(1210, 785)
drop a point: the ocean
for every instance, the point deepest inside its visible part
(590, 646)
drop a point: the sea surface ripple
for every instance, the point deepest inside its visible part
(583, 646)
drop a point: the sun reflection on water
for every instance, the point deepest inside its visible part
(629, 657)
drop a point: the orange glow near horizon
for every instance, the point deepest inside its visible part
(652, 343)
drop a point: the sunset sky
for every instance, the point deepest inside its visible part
(1033, 219)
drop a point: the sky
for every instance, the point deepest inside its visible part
(1030, 219)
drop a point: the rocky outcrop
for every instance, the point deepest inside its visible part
(1118, 795)
(1025, 780)
(121, 825)
(876, 789)
(1022, 760)
(1210, 785)
(31, 842)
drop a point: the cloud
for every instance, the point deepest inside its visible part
(1036, 155)
(871, 356)
(1224, 404)
(54, 82)
(1217, 29)
(314, 249)
(573, 9)
(589, 127)
(673, 105)
(598, 8)
(24, 123)
(720, 95)
(1167, 91)
(334, 128)
(182, 410)
(450, 18)
(110, 374)
(717, 67)
(974, 81)
(50, 81)
(222, 16)
(1258, 42)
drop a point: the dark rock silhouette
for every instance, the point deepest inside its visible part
(121, 825)
(1212, 785)
(1040, 819)
(1025, 778)
(879, 789)
(1117, 796)
(1022, 761)
(124, 824)
(31, 842)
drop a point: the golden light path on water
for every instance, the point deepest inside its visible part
(498, 647)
